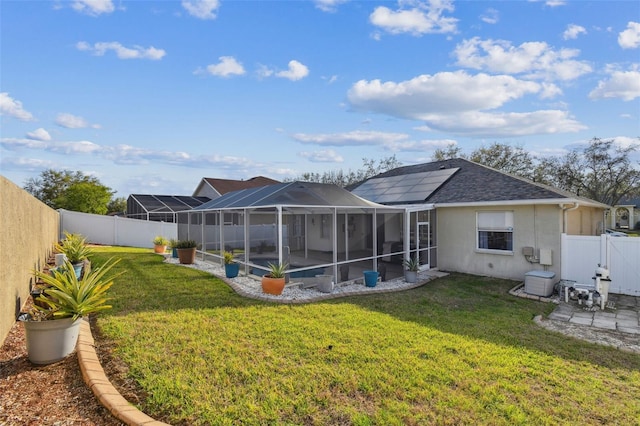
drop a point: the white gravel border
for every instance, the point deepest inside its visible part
(292, 293)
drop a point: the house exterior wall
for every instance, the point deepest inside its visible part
(585, 221)
(29, 231)
(537, 226)
(205, 190)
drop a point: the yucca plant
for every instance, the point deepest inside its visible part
(70, 297)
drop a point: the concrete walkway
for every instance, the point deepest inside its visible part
(622, 314)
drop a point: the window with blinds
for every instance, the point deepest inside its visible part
(495, 230)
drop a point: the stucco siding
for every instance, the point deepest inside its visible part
(29, 230)
(537, 226)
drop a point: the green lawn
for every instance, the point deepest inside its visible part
(459, 350)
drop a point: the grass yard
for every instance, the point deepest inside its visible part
(459, 350)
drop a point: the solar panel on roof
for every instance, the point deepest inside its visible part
(403, 188)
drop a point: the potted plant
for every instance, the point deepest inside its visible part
(76, 250)
(186, 251)
(160, 244)
(413, 266)
(231, 268)
(52, 326)
(174, 250)
(273, 281)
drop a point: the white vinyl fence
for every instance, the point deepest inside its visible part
(621, 256)
(114, 230)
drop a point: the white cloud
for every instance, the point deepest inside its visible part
(227, 66)
(328, 5)
(295, 72)
(490, 16)
(422, 17)
(620, 84)
(458, 103)
(630, 38)
(39, 135)
(135, 52)
(93, 7)
(445, 92)
(353, 138)
(420, 146)
(71, 121)
(326, 156)
(573, 31)
(13, 108)
(506, 124)
(533, 59)
(130, 155)
(201, 9)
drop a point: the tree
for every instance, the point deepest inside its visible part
(341, 178)
(500, 156)
(602, 171)
(117, 205)
(507, 158)
(448, 153)
(70, 190)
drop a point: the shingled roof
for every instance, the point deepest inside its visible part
(224, 186)
(475, 183)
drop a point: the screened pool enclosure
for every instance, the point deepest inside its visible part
(317, 229)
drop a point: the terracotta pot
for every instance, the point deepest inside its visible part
(272, 285)
(187, 256)
(159, 249)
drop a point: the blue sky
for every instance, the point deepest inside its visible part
(152, 96)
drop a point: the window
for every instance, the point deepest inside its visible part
(495, 230)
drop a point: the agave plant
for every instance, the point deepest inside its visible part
(75, 247)
(277, 270)
(70, 297)
(228, 258)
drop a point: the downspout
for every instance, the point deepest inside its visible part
(564, 212)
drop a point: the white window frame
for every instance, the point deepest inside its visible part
(498, 221)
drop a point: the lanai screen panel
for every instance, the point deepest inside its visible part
(404, 189)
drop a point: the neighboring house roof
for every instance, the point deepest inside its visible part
(289, 194)
(165, 203)
(459, 181)
(224, 186)
(632, 201)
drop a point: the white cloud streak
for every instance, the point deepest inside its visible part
(122, 52)
(325, 156)
(330, 6)
(13, 108)
(70, 121)
(93, 7)
(128, 155)
(201, 9)
(39, 135)
(418, 18)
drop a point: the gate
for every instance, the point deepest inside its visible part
(580, 255)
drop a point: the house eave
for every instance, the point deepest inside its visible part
(547, 201)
